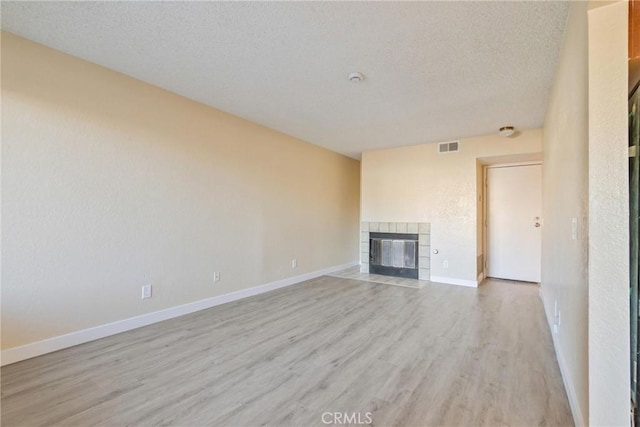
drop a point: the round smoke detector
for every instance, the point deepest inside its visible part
(356, 77)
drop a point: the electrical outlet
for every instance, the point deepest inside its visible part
(216, 276)
(146, 291)
(294, 263)
(445, 263)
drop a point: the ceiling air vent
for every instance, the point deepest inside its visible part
(448, 147)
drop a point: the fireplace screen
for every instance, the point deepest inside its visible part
(394, 254)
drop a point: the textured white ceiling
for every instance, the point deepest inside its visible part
(434, 71)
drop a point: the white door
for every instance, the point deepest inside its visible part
(514, 199)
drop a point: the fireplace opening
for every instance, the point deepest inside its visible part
(394, 254)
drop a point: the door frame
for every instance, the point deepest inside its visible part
(485, 190)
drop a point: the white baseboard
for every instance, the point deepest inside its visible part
(452, 281)
(49, 345)
(568, 386)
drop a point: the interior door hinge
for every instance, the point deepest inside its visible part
(632, 151)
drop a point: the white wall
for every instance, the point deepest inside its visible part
(417, 184)
(585, 177)
(109, 183)
(609, 350)
(565, 196)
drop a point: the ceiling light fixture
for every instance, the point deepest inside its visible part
(356, 77)
(506, 131)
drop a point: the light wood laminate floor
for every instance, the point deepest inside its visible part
(440, 355)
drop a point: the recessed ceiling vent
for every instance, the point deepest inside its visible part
(448, 147)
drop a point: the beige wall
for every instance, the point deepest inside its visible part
(109, 183)
(609, 350)
(417, 184)
(564, 196)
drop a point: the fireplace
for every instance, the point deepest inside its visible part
(393, 254)
(405, 231)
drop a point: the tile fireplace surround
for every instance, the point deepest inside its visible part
(422, 229)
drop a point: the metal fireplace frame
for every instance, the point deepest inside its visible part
(398, 268)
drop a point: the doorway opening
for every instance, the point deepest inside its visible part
(513, 221)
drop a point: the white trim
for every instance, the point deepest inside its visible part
(512, 165)
(452, 281)
(485, 225)
(571, 393)
(568, 386)
(49, 345)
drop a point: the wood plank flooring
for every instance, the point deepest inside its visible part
(442, 355)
